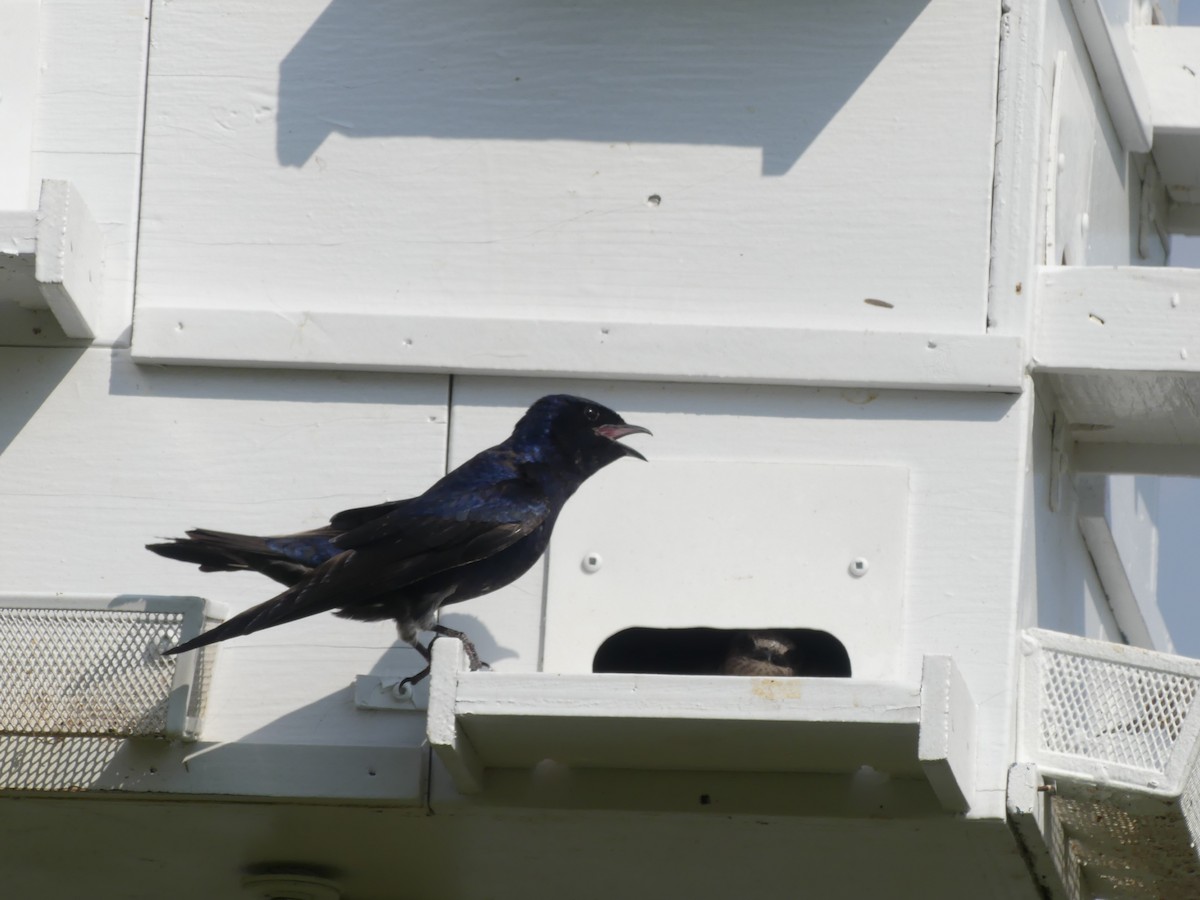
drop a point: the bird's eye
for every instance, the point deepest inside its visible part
(591, 414)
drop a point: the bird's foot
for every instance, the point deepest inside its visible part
(468, 647)
(473, 657)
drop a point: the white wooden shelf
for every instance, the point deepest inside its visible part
(1121, 81)
(562, 348)
(53, 257)
(1120, 346)
(1169, 58)
(481, 720)
(1148, 78)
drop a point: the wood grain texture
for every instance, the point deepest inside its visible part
(101, 457)
(89, 132)
(966, 477)
(1118, 319)
(603, 348)
(573, 162)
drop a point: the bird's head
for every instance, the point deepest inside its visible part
(582, 431)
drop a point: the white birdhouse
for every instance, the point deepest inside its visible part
(888, 282)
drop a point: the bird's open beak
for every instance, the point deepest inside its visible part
(616, 432)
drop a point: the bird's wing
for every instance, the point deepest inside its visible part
(389, 553)
(389, 556)
(506, 510)
(349, 519)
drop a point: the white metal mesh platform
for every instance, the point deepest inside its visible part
(1114, 729)
(94, 666)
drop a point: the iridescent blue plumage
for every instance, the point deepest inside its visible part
(477, 529)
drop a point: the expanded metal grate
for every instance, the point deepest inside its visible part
(1116, 730)
(1112, 711)
(72, 671)
(83, 667)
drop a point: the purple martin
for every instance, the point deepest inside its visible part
(764, 654)
(477, 529)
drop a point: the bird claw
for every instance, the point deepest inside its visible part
(473, 658)
(468, 648)
(412, 680)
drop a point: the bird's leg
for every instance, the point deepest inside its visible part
(472, 653)
(424, 673)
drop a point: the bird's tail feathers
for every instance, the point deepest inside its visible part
(283, 608)
(225, 551)
(213, 551)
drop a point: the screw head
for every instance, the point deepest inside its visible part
(402, 691)
(592, 562)
(859, 566)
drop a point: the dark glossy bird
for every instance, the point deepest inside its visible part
(765, 654)
(477, 529)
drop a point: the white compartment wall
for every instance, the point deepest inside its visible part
(605, 163)
(450, 189)
(258, 202)
(86, 97)
(101, 456)
(965, 464)
(1097, 177)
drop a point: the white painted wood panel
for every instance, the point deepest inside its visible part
(19, 57)
(1119, 346)
(1106, 28)
(966, 468)
(1060, 588)
(1118, 319)
(683, 544)
(607, 348)
(505, 854)
(101, 457)
(1123, 548)
(89, 132)
(1170, 60)
(598, 163)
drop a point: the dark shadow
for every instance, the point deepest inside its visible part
(56, 762)
(127, 378)
(320, 716)
(489, 649)
(762, 73)
(703, 651)
(29, 376)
